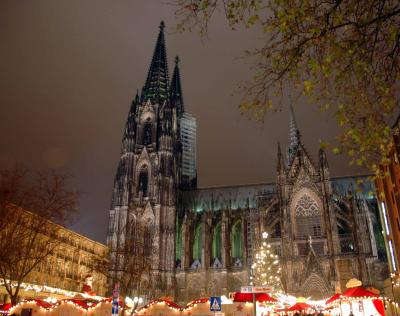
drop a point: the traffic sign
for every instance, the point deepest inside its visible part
(215, 304)
(246, 289)
(114, 307)
(255, 289)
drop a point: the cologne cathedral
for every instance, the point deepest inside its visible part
(201, 241)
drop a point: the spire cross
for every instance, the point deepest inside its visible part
(162, 26)
(177, 60)
(310, 241)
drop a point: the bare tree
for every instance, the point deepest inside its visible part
(129, 263)
(32, 208)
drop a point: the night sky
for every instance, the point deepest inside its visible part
(69, 70)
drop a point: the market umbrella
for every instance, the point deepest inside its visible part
(333, 298)
(4, 308)
(361, 293)
(248, 297)
(358, 292)
(299, 306)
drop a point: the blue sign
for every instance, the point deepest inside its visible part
(114, 307)
(215, 304)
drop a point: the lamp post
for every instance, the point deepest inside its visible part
(135, 302)
(254, 294)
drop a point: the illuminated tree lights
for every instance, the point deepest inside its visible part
(266, 270)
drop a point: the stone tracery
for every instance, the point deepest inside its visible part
(306, 206)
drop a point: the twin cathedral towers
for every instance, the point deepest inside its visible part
(202, 241)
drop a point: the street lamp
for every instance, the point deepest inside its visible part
(135, 302)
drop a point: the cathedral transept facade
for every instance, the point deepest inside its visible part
(202, 241)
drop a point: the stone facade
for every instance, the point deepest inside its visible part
(145, 187)
(65, 272)
(324, 229)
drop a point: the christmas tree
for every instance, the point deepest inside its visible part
(266, 270)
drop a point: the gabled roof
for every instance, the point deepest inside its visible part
(301, 159)
(227, 197)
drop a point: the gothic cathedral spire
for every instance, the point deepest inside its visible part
(294, 134)
(156, 86)
(149, 174)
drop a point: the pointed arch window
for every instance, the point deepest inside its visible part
(147, 238)
(144, 181)
(308, 218)
(216, 243)
(237, 241)
(147, 134)
(276, 230)
(140, 237)
(197, 243)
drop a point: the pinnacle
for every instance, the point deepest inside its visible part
(176, 89)
(294, 134)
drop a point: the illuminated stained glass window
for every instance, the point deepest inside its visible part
(236, 240)
(197, 244)
(216, 244)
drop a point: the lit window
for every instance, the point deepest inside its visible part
(385, 218)
(392, 256)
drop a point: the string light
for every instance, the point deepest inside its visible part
(266, 268)
(52, 290)
(86, 307)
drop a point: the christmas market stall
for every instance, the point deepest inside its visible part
(300, 306)
(243, 304)
(70, 307)
(4, 308)
(356, 300)
(238, 309)
(248, 297)
(199, 306)
(34, 307)
(160, 307)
